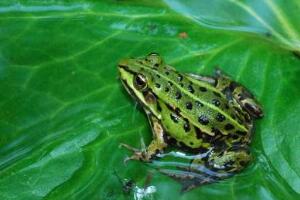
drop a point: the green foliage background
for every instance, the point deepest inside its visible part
(63, 111)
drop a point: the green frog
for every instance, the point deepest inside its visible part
(210, 116)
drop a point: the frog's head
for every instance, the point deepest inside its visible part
(137, 77)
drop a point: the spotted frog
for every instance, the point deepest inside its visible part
(207, 116)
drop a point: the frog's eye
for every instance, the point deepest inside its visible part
(140, 82)
(155, 59)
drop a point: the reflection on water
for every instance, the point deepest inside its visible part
(190, 174)
(144, 193)
(178, 164)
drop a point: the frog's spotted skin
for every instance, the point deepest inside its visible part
(202, 114)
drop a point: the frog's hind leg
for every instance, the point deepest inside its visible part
(247, 101)
(215, 167)
(194, 175)
(188, 179)
(156, 146)
(230, 161)
(234, 90)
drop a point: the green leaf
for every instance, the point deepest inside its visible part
(64, 112)
(274, 20)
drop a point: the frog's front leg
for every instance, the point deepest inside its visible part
(157, 144)
(236, 91)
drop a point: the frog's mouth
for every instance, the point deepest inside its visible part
(129, 90)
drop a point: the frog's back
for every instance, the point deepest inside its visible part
(197, 104)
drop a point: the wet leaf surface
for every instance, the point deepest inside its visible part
(64, 112)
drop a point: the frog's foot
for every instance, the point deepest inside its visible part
(137, 153)
(230, 161)
(156, 146)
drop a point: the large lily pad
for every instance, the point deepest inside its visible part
(64, 112)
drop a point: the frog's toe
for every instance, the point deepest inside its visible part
(126, 160)
(135, 156)
(130, 148)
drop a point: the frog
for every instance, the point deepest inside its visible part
(209, 116)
